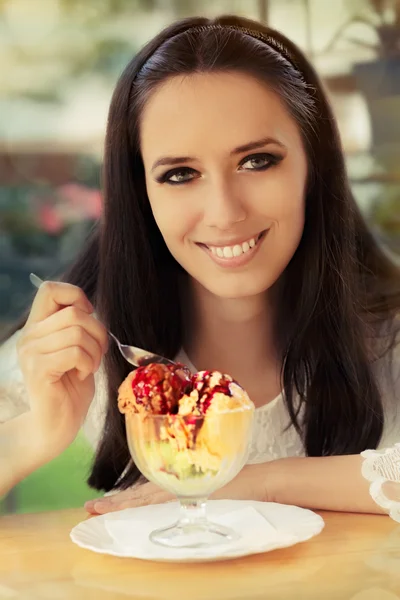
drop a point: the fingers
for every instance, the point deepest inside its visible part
(52, 296)
(129, 499)
(59, 363)
(98, 507)
(68, 328)
(65, 319)
(89, 506)
(103, 506)
(71, 337)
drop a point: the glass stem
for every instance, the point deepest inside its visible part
(192, 511)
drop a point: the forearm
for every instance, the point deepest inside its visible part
(20, 454)
(325, 483)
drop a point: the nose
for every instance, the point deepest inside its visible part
(224, 207)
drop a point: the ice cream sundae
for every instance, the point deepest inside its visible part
(185, 431)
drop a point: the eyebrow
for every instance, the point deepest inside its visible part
(178, 160)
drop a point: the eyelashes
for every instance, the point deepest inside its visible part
(184, 175)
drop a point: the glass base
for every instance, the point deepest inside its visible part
(193, 535)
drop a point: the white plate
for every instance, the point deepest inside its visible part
(94, 534)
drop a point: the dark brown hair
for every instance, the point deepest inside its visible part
(338, 288)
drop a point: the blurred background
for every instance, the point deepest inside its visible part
(59, 62)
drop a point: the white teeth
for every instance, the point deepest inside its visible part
(231, 251)
(228, 252)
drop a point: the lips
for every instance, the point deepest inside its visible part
(233, 250)
(234, 255)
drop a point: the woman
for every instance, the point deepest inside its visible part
(230, 236)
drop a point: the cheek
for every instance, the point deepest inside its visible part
(284, 200)
(291, 210)
(174, 215)
(286, 210)
(291, 221)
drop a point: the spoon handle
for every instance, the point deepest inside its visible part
(35, 280)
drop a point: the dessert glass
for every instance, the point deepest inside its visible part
(191, 457)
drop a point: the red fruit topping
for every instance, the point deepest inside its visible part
(159, 387)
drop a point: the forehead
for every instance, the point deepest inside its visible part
(209, 110)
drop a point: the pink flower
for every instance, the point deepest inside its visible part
(49, 219)
(80, 201)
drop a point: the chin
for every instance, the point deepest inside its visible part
(236, 287)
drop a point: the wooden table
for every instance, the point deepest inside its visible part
(356, 557)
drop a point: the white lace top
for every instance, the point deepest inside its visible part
(271, 438)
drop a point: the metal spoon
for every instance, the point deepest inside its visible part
(135, 356)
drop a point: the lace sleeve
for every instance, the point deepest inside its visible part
(382, 470)
(13, 395)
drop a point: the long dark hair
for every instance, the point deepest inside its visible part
(337, 291)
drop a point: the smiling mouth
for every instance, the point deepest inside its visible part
(235, 250)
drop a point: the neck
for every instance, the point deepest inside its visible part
(232, 335)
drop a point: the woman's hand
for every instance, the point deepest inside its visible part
(59, 350)
(138, 495)
(248, 485)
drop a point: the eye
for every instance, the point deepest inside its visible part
(259, 162)
(178, 176)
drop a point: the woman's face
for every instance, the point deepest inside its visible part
(226, 174)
